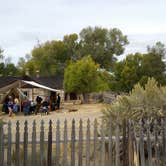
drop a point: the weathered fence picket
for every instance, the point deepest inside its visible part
(9, 144)
(95, 143)
(65, 144)
(73, 143)
(102, 144)
(1, 144)
(57, 157)
(42, 162)
(98, 143)
(25, 143)
(33, 154)
(49, 151)
(80, 143)
(17, 144)
(110, 160)
(88, 143)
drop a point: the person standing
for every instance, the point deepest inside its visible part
(58, 101)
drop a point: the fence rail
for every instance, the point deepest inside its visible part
(101, 143)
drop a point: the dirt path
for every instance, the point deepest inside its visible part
(85, 112)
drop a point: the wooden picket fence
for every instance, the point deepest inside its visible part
(97, 143)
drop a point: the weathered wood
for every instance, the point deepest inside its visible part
(1, 144)
(117, 158)
(49, 152)
(136, 146)
(65, 161)
(95, 143)
(156, 143)
(149, 146)
(80, 143)
(17, 145)
(124, 144)
(33, 154)
(102, 144)
(9, 144)
(88, 143)
(110, 159)
(141, 145)
(42, 162)
(163, 143)
(57, 157)
(73, 143)
(130, 145)
(25, 143)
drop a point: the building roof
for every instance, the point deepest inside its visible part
(55, 82)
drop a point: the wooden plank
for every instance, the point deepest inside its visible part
(149, 146)
(156, 143)
(73, 143)
(33, 154)
(95, 144)
(42, 161)
(17, 145)
(1, 144)
(117, 157)
(25, 143)
(141, 145)
(9, 144)
(65, 161)
(49, 151)
(110, 160)
(102, 144)
(124, 144)
(80, 143)
(57, 157)
(163, 143)
(88, 143)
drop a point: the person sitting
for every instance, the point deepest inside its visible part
(45, 106)
(16, 105)
(10, 106)
(26, 105)
(38, 104)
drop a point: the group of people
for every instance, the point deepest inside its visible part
(12, 105)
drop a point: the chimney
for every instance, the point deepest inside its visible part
(27, 71)
(37, 73)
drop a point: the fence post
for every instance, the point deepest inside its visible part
(9, 144)
(33, 156)
(117, 160)
(57, 142)
(1, 144)
(49, 152)
(73, 143)
(102, 144)
(110, 161)
(163, 142)
(17, 146)
(156, 143)
(42, 162)
(141, 145)
(80, 143)
(124, 144)
(65, 144)
(130, 145)
(88, 143)
(149, 143)
(95, 143)
(25, 143)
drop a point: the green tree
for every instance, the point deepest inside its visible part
(102, 44)
(83, 77)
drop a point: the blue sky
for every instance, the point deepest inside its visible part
(24, 22)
